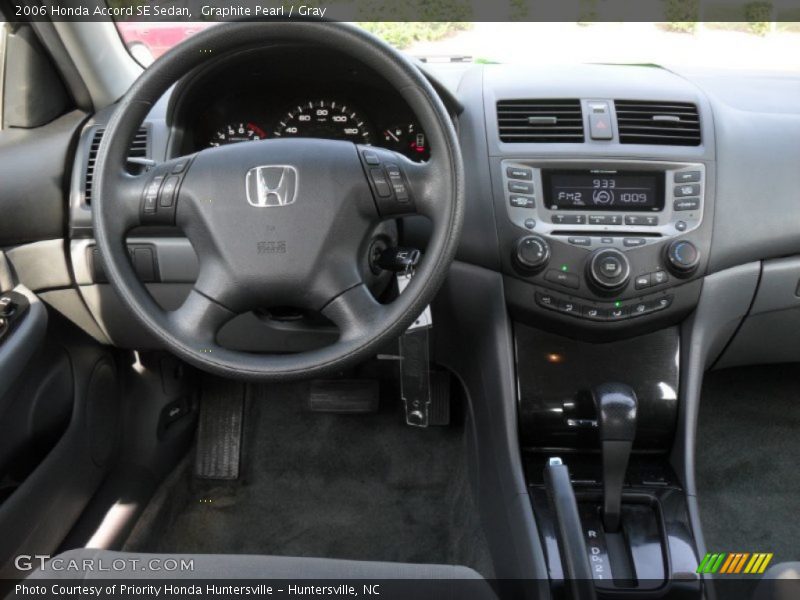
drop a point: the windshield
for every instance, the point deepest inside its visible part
(753, 45)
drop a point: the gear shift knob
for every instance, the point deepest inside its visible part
(616, 421)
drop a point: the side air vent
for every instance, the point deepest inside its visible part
(659, 123)
(138, 150)
(540, 121)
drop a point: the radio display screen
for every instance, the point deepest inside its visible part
(604, 190)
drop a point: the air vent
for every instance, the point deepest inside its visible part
(659, 123)
(138, 150)
(540, 121)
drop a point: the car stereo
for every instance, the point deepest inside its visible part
(603, 189)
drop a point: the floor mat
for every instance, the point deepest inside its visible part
(748, 452)
(361, 487)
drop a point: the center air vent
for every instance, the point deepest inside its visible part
(660, 123)
(138, 150)
(540, 121)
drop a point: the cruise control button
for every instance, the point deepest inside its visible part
(371, 158)
(642, 281)
(522, 202)
(687, 176)
(381, 185)
(633, 242)
(518, 187)
(561, 219)
(686, 204)
(580, 241)
(692, 189)
(565, 278)
(519, 173)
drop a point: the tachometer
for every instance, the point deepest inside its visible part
(327, 119)
(236, 132)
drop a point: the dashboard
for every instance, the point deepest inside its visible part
(269, 94)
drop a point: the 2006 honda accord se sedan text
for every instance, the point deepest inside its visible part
(502, 307)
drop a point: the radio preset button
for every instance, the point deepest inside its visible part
(518, 187)
(687, 176)
(519, 173)
(522, 202)
(560, 219)
(686, 204)
(682, 191)
(605, 219)
(641, 220)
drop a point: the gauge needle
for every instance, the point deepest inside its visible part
(391, 135)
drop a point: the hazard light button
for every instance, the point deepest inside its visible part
(600, 126)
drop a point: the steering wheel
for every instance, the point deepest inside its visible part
(279, 222)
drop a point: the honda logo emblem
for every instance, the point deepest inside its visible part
(271, 185)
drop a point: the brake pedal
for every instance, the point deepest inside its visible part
(344, 396)
(219, 434)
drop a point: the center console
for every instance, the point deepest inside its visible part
(603, 247)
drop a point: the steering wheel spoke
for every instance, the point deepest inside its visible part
(353, 310)
(199, 319)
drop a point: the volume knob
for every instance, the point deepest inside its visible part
(532, 253)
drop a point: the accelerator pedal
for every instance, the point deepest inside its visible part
(344, 396)
(439, 408)
(219, 434)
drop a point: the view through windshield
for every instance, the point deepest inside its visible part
(739, 45)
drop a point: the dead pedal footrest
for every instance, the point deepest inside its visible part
(219, 434)
(347, 396)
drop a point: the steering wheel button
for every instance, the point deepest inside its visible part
(381, 185)
(168, 191)
(371, 158)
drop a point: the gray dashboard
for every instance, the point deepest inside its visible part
(748, 155)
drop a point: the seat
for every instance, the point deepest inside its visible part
(419, 580)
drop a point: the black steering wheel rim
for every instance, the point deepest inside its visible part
(439, 187)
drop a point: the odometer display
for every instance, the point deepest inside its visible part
(327, 119)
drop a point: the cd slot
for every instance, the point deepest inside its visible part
(604, 233)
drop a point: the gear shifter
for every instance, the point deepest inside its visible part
(616, 420)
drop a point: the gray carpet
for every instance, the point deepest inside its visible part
(748, 461)
(336, 486)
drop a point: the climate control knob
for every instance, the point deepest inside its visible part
(683, 257)
(532, 253)
(608, 270)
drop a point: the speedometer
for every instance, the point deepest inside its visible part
(327, 119)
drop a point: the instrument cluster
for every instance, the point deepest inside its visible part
(237, 120)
